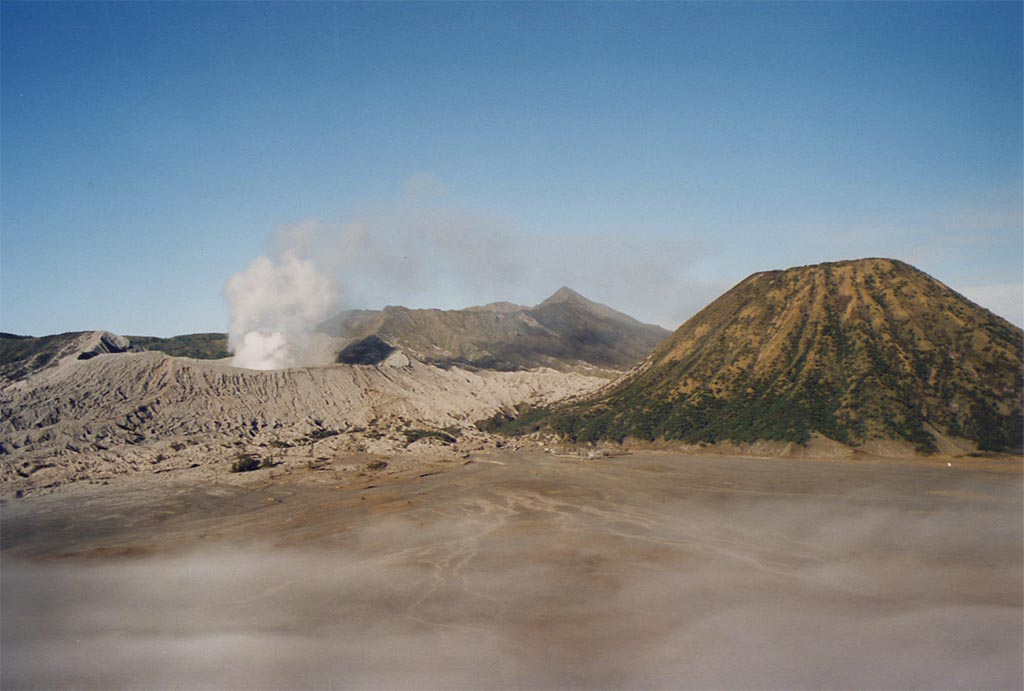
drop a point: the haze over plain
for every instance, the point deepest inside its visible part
(649, 156)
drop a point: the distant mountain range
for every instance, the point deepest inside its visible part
(565, 332)
(854, 351)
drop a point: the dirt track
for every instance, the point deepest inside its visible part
(528, 570)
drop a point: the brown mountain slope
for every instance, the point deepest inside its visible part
(565, 332)
(862, 350)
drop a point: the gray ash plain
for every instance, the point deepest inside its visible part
(524, 569)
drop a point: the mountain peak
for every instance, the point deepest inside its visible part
(567, 331)
(564, 294)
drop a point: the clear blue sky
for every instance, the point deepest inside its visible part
(648, 155)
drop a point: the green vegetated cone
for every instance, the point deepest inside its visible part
(863, 350)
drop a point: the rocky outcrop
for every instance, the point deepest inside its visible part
(371, 350)
(106, 343)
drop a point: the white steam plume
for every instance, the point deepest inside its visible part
(275, 308)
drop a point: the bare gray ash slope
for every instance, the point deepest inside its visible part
(147, 412)
(66, 414)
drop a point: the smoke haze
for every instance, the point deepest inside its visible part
(429, 250)
(422, 249)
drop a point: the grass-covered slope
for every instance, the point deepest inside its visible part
(203, 346)
(20, 356)
(23, 355)
(856, 351)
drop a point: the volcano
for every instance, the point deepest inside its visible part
(855, 351)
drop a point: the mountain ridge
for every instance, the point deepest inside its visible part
(566, 332)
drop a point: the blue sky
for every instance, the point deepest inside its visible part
(650, 156)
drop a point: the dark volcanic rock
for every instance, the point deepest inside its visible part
(366, 351)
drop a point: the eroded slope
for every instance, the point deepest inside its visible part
(147, 411)
(856, 351)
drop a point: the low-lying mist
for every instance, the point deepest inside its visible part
(515, 580)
